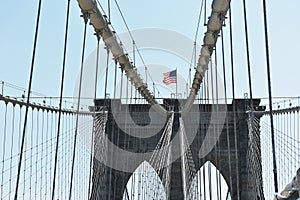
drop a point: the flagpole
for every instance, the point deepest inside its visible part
(176, 84)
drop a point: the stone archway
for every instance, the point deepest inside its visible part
(144, 184)
(219, 185)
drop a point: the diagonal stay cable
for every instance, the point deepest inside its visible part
(195, 41)
(137, 49)
(199, 20)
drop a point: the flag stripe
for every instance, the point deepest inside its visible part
(170, 77)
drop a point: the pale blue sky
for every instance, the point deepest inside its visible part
(18, 23)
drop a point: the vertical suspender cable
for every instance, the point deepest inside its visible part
(108, 8)
(118, 130)
(121, 88)
(42, 151)
(3, 150)
(204, 182)
(11, 148)
(131, 87)
(127, 90)
(195, 64)
(133, 52)
(203, 127)
(30, 156)
(248, 53)
(153, 89)
(52, 130)
(294, 136)
(105, 103)
(133, 46)
(219, 188)
(115, 81)
(206, 110)
(214, 126)
(48, 137)
(209, 181)
(94, 125)
(227, 123)
(60, 99)
(291, 142)
(106, 71)
(234, 106)
(217, 110)
(207, 126)
(270, 95)
(20, 127)
(28, 98)
(212, 85)
(204, 12)
(146, 75)
(85, 17)
(2, 88)
(37, 151)
(63, 157)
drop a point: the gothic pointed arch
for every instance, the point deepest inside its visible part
(213, 180)
(144, 184)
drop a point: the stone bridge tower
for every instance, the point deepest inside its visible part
(109, 183)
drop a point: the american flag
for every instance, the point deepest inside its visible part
(170, 77)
